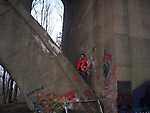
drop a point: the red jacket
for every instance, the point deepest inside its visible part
(83, 64)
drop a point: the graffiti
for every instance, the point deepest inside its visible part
(107, 64)
(109, 75)
(47, 102)
(114, 70)
(74, 78)
(88, 93)
(70, 96)
(110, 84)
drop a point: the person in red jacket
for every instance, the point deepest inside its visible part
(83, 66)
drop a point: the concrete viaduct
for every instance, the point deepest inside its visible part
(117, 30)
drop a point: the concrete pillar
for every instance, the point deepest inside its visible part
(139, 39)
(88, 28)
(119, 27)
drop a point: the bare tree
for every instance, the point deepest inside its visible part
(43, 12)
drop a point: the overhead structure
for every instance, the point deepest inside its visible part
(43, 74)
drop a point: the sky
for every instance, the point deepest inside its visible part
(55, 16)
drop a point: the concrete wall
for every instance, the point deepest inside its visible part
(90, 31)
(139, 35)
(120, 27)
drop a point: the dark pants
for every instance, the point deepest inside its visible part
(86, 77)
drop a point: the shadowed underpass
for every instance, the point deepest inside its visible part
(112, 35)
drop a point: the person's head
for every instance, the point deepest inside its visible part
(82, 55)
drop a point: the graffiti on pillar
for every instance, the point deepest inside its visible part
(88, 93)
(107, 64)
(92, 59)
(75, 78)
(109, 73)
(49, 102)
(70, 96)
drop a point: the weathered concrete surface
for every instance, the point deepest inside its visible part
(33, 59)
(121, 28)
(88, 29)
(139, 25)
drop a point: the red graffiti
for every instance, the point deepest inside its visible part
(71, 95)
(107, 65)
(88, 93)
(74, 78)
(98, 77)
(114, 70)
(107, 57)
